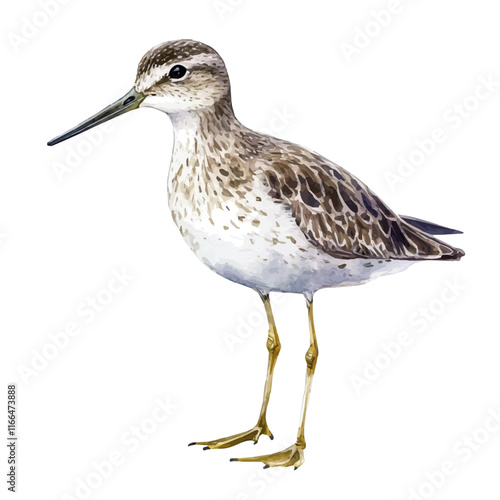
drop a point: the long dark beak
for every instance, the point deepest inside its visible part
(128, 102)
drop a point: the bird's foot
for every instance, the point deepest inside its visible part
(293, 455)
(251, 435)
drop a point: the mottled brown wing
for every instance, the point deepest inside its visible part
(341, 215)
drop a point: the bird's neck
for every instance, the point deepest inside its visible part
(200, 136)
(203, 123)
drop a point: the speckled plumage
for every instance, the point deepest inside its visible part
(262, 211)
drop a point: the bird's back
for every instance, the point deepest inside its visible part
(337, 212)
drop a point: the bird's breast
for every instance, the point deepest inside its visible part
(248, 237)
(232, 224)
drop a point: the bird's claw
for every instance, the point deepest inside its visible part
(291, 456)
(251, 435)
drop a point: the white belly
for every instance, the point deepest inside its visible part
(257, 243)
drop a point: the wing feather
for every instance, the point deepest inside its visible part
(340, 214)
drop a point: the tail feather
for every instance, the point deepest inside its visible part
(429, 227)
(429, 246)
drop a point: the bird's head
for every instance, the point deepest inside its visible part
(181, 76)
(177, 76)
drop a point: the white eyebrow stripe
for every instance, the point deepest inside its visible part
(146, 80)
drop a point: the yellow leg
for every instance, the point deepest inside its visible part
(274, 347)
(294, 455)
(311, 359)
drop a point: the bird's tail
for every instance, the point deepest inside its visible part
(429, 227)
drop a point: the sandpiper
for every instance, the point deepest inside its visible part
(264, 212)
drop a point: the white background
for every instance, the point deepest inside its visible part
(168, 334)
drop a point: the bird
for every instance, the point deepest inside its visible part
(264, 212)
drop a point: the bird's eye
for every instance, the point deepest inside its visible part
(177, 72)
